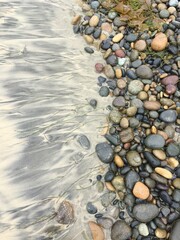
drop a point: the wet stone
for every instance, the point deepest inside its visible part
(173, 150)
(131, 178)
(91, 208)
(135, 87)
(144, 72)
(154, 141)
(176, 195)
(118, 183)
(126, 135)
(93, 103)
(165, 197)
(134, 158)
(89, 50)
(120, 231)
(105, 152)
(145, 212)
(65, 213)
(131, 74)
(107, 198)
(168, 116)
(119, 102)
(152, 160)
(143, 229)
(112, 60)
(83, 141)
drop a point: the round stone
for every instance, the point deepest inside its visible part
(145, 212)
(143, 229)
(118, 73)
(126, 135)
(119, 102)
(164, 13)
(142, 95)
(160, 233)
(95, 4)
(118, 161)
(159, 43)
(115, 116)
(120, 53)
(104, 91)
(91, 208)
(131, 111)
(170, 80)
(175, 232)
(154, 141)
(93, 22)
(124, 123)
(109, 71)
(133, 158)
(105, 222)
(170, 89)
(65, 213)
(144, 72)
(112, 15)
(141, 191)
(153, 114)
(121, 83)
(131, 178)
(105, 152)
(135, 87)
(131, 37)
(107, 27)
(164, 172)
(118, 183)
(112, 60)
(173, 150)
(173, 3)
(120, 231)
(168, 116)
(137, 102)
(140, 45)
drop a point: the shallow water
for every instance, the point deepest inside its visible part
(46, 82)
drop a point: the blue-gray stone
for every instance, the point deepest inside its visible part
(175, 232)
(173, 149)
(83, 141)
(105, 152)
(154, 141)
(145, 212)
(168, 116)
(151, 159)
(104, 91)
(91, 208)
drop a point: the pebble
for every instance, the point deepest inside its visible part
(106, 27)
(173, 3)
(168, 116)
(107, 198)
(117, 38)
(134, 158)
(115, 116)
(176, 183)
(170, 89)
(145, 212)
(160, 233)
(126, 135)
(96, 231)
(131, 178)
(91, 208)
(118, 183)
(164, 13)
(141, 191)
(109, 72)
(65, 213)
(105, 222)
(120, 53)
(143, 229)
(105, 152)
(119, 102)
(131, 111)
(118, 161)
(173, 150)
(135, 87)
(164, 172)
(175, 232)
(93, 103)
(152, 105)
(131, 37)
(95, 4)
(154, 141)
(137, 102)
(104, 91)
(93, 22)
(118, 73)
(170, 80)
(99, 67)
(176, 195)
(160, 154)
(131, 74)
(112, 60)
(144, 72)
(120, 231)
(140, 45)
(152, 160)
(165, 197)
(83, 141)
(121, 83)
(172, 162)
(143, 95)
(159, 43)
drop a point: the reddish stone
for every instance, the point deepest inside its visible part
(170, 89)
(120, 53)
(99, 67)
(172, 79)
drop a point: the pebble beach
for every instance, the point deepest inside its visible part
(140, 70)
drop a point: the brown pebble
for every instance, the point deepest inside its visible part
(118, 161)
(163, 134)
(141, 191)
(118, 73)
(170, 89)
(93, 22)
(99, 67)
(172, 79)
(76, 19)
(110, 187)
(120, 53)
(159, 43)
(106, 27)
(121, 83)
(140, 45)
(143, 95)
(96, 231)
(124, 123)
(160, 233)
(127, 146)
(126, 135)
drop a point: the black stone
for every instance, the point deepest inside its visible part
(105, 152)
(91, 208)
(165, 197)
(109, 176)
(151, 159)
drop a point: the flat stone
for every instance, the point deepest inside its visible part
(175, 232)
(168, 116)
(112, 60)
(144, 72)
(65, 213)
(131, 178)
(172, 79)
(145, 212)
(133, 158)
(83, 141)
(176, 195)
(105, 152)
(120, 231)
(152, 105)
(109, 71)
(160, 154)
(141, 191)
(171, 89)
(117, 37)
(135, 87)
(131, 37)
(119, 102)
(154, 141)
(126, 135)
(93, 22)
(164, 172)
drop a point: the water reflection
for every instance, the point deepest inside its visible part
(46, 82)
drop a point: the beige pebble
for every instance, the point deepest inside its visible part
(76, 19)
(141, 191)
(172, 162)
(88, 39)
(131, 111)
(163, 134)
(107, 27)
(152, 105)
(176, 183)
(118, 161)
(159, 43)
(164, 172)
(161, 6)
(143, 95)
(160, 154)
(140, 45)
(94, 20)
(160, 233)
(117, 38)
(110, 187)
(163, 75)
(103, 37)
(96, 231)
(124, 123)
(171, 10)
(146, 87)
(121, 83)
(107, 53)
(152, 98)
(153, 130)
(118, 73)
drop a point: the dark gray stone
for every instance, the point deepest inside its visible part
(173, 150)
(144, 72)
(168, 116)
(83, 141)
(112, 60)
(91, 208)
(105, 222)
(154, 141)
(145, 212)
(175, 232)
(105, 152)
(176, 195)
(131, 178)
(151, 159)
(104, 91)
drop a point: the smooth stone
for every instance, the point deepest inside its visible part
(126, 135)
(105, 152)
(159, 43)
(154, 141)
(119, 102)
(160, 154)
(152, 160)
(131, 111)
(99, 67)
(164, 172)
(96, 231)
(124, 123)
(173, 149)
(172, 79)
(136, 63)
(152, 105)
(131, 178)
(109, 176)
(165, 197)
(83, 141)
(176, 183)
(117, 38)
(143, 229)
(145, 212)
(89, 30)
(109, 71)
(107, 198)
(160, 233)
(176, 195)
(105, 222)
(93, 22)
(150, 182)
(113, 139)
(120, 231)
(115, 116)
(175, 232)
(140, 45)
(141, 191)
(129, 200)
(137, 102)
(144, 72)
(97, 33)
(121, 83)
(164, 13)
(117, 22)
(104, 91)
(91, 208)
(65, 213)
(95, 4)
(112, 15)
(173, 3)
(158, 178)
(171, 89)
(93, 103)
(166, 101)
(143, 95)
(131, 37)
(134, 55)
(168, 116)
(118, 161)
(120, 53)
(106, 44)
(107, 27)
(131, 74)
(118, 183)
(133, 158)
(112, 60)
(135, 87)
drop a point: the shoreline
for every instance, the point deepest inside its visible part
(142, 148)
